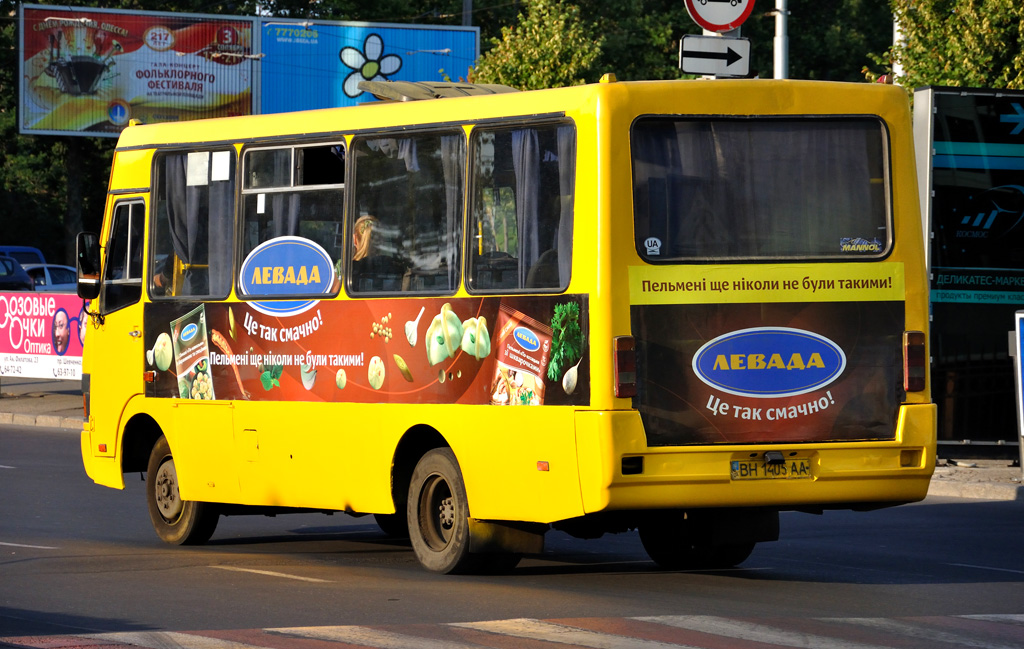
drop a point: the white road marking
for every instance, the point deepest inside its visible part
(169, 640)
(270, 573)
(1008, 618)
(922, 632)
(23, 545)
(740, 630)
(4, 466)
(967, 565)
(360, 635)
(562, 634)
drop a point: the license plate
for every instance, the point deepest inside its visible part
(791, 469)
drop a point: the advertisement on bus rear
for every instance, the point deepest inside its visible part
(518, 351)
(42, 335)
(759, 354)
(90, 70)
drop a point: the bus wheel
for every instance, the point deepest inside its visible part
(177, 521)
(438, 514)
(670, 544)
(395, 525)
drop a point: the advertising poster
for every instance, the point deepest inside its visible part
(41, 335)
(92, 70)
(799, 354)
(500, 351)
(977, 258)
(321, 63)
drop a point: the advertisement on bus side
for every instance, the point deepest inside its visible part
(527, 351)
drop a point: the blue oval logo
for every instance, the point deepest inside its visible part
(189, 332)
(526, 339)
(768, 362)
(286, 267)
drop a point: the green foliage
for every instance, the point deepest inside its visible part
(566, 339)
(550, 47)
(976, 43)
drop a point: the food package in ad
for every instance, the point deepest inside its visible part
(523, 349)
(192, 355)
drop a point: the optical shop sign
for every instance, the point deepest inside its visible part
(90, 71)
(41, 335)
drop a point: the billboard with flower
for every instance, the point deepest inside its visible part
(320, 64)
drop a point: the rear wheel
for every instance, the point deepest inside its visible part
(176, 521)
(674, 543)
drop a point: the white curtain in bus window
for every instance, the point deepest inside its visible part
(406, 225)
(760, 188)
(194, 225)
(294, 192)
(522, 210)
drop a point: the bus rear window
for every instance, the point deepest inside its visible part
(716, 189)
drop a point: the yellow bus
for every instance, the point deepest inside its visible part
(677, 307)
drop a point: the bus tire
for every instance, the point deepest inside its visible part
(670, 544)
(176, 521)
(438, 515)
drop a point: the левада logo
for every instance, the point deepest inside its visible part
(768, 362)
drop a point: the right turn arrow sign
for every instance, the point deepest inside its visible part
(717, 55)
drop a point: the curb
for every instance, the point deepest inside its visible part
(43, 421)
(978, 490)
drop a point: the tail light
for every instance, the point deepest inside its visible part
(914, 361)
(625, 366)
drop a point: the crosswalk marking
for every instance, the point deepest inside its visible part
(1008, 618)
(922, 632)
(979, 631)
(765, 634)
(367, 637)
(560, 633)
(168, 640)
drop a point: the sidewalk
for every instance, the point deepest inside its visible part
(41, 402)
(58, 404)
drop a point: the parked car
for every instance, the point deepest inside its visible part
(53, 277)
(13, 277)
(23, 254)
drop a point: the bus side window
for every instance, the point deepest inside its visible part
(194, 225)
(522, 208)
(294, 191)
(406, 224)
(122, 275)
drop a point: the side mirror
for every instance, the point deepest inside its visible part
(88, 263)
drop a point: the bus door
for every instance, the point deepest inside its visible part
(117, 336)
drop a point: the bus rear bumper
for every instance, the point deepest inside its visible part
(618, 471)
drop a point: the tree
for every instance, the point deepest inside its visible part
(977, 43)
(551, 46)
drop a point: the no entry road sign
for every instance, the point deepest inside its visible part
(719, 15)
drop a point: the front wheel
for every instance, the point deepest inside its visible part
(176, 521)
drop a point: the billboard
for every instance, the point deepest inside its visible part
(319, 64)
(41, 335)
(970, 145)
(89, 71)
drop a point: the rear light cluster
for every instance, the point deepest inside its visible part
(915, 361)
(625, 366)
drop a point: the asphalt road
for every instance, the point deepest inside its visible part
(76, 558)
